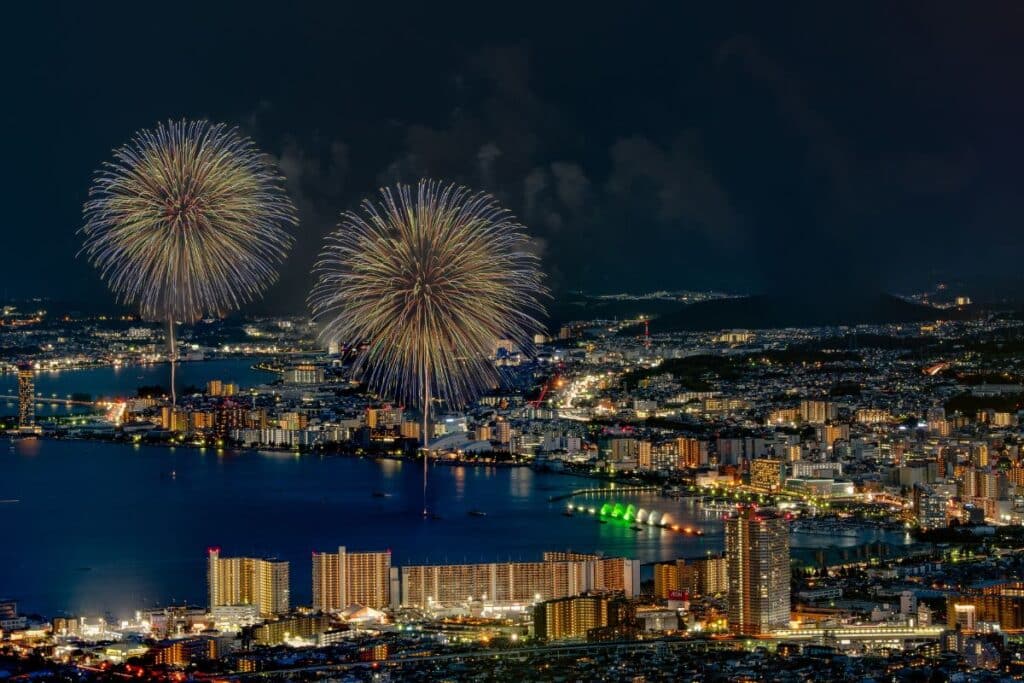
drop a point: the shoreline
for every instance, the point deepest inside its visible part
(99, 365)
(271, 450)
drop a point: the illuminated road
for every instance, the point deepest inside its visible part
(860, 633)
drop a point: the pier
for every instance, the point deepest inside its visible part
(604, 491)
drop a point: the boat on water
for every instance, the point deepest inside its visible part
(477, 513)
(381, 494)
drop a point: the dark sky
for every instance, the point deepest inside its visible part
(781, 146)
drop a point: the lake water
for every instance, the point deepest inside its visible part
(102, 527)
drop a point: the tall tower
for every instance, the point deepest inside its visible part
(757, 559)
(215, 579)
(26, 396)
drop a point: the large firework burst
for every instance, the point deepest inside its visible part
(188, 219)
(428, 278)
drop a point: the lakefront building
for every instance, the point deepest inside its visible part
(757, 562)
(345, 578)
(512, 584)
(248, 581)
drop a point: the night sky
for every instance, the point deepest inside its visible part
(872, 146)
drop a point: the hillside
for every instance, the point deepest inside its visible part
(766, 312)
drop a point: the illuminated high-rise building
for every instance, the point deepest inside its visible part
(228, 417)
(202, 420)
(767, 474)
(559, 575)
(757, 564)
(570, 617)
(815, 412)
(248, 581)
(173, 419)
(666, 579)
(979, 454)
(623, 450)
(644, 452)
(701, 576)
(410, 429)
(504, 431)
(26, 396)
(832, 433)
(344, 578)
(691, 453)
(383, 417)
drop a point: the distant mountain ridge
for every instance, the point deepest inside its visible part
(773, 312)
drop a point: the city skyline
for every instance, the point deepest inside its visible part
(704, 324)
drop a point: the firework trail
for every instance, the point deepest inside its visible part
(428, 278)
(188, 219)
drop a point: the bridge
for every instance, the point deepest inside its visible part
(44, 399)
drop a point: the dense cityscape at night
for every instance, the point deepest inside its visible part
(660, 344)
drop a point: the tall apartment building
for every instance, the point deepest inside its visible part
(767, 474)
(570, 618)
(517, 583)
(829, 434)
(248, 581)
(816, 412)
(26, 396)
(382, 417)
(622, 450)
(344, 578)
(757, 561)
(691, 453)
(606, 573)
(702, 576)
(173, 419)
(644, 455)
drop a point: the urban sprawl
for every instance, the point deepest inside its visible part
(908, 428)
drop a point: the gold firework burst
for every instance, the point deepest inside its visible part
(428, 279)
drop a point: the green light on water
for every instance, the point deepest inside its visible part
(618, 510)
(629, 514)
(606, 509)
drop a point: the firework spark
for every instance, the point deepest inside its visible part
(188, 219)
(428, 279)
